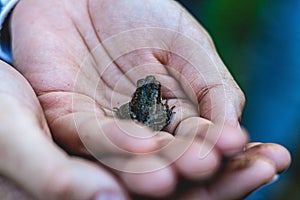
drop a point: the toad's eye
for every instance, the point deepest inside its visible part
(150, 79)
(140, 82)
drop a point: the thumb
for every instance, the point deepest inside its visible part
(29, 158)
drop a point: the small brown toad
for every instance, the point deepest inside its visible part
(146, 105)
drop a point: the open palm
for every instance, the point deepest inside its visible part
(84, 58)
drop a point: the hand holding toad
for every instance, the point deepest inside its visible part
(110, 40)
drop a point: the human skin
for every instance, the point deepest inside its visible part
(62, 34)
(30, 158)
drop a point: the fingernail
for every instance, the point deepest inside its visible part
(275, 179)
(110, 196)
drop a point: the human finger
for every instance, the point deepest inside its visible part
(186, 156)
(245, 173)
(279, 155)
(87, 133)
(241, 178)
(10, 191)
(150, 176)
(32, 160)
(228, 140)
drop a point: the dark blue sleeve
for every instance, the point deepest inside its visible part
(5, 48)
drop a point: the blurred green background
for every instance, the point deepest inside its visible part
(259, 42)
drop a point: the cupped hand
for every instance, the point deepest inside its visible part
(84, 58)
(31, 159)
